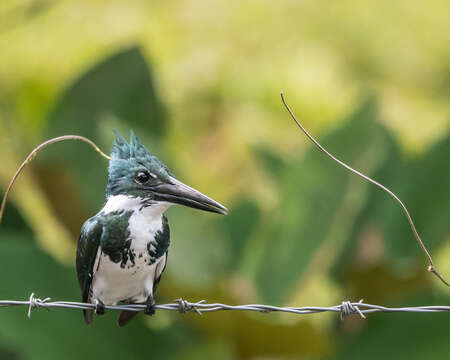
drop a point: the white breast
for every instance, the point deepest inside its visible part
(112, 283)
(133, 282)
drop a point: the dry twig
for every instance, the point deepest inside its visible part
(431, 268)
(33, 154)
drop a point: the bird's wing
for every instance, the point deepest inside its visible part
(88, 244)
(159, 270)
(163, 244)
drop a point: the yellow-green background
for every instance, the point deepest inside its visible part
(199, 82)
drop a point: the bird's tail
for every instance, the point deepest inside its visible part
(88, 316)
(125, 317)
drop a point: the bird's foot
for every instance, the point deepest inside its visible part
(150, 306)
(99, 307)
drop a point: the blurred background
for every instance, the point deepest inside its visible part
(199, 83)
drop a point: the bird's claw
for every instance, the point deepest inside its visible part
(150, 306)
(99, 307)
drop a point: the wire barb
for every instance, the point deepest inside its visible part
(186, 306)
(348, 308)
(34, 303)
(431, 268)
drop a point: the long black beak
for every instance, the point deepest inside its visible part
(178, 193)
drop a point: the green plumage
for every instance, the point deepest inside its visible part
(126, 161)
(115, 241)
(162, 238)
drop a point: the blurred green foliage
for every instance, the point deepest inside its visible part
(199, 84)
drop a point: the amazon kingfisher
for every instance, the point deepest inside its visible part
(122, 251)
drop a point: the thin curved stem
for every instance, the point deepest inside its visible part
(431, 267)
(32, 155)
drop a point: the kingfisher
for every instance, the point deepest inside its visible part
(122, 251)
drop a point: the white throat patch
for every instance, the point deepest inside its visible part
(125, 202)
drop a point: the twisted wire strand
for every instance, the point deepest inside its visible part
(346, 308)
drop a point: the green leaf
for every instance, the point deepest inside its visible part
(121, 85)
(119, 93)
(421, 183)
(311, 192)
(198, 254)
(423, 186)
(238, 226)
(271, 162)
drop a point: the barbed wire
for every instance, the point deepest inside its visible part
(346, 308)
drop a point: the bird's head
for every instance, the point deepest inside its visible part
(134, 171)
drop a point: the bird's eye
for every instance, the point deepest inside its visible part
(142, 177)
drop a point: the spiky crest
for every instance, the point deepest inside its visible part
(126, 160)
(123, 150)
